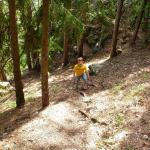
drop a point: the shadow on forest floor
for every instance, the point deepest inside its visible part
(14, 117)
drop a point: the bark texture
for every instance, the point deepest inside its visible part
(20, 101)
(116, 28)
(67, 5)
(139, 20)
(44, 59)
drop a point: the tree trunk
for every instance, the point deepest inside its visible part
(36, 61)
(146, 20)
(66, 48)
(27, 39)
(116, 28)
(20, 101)
(44, 59)
(28, 52)
(146, 26)
(139, 20)
(2, 74)
(80, 46)
(81, 40)
(67, 31)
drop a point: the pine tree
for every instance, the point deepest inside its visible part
(20, 101)
(44, 55)
(116, 28)
(67, 30)
(139, 20)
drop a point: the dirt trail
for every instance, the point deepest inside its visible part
(119, 103)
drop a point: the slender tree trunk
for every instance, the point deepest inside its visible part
(80, 44)
(36, 61)
(66, 48)
(44, 59)
(81, 40)
(139, 20)
(67, 31)
(20, 101)
(27, 40)
(146, 25)
(28, 53)
(146, 20)
(116, 28)
(2, 74)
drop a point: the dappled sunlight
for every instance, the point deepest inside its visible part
(92, 136)
(59, 78)
(120, 136)
(58, 113)
(33, 90)
(98, 61)
(99, 99)
(56, 125)
(43, 131)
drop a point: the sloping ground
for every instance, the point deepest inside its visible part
(113, 115)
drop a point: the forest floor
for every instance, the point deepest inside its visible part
(112, 115)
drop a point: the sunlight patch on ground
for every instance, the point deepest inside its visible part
(42, 132)
(53, 78)
(98, 61)
(58, 113)
(56, 125)
(92, 137)
(7, 105)
(33, 90)
(132, 87)
(120, 136)
(113, 140)
(100, 99)
(60, 78)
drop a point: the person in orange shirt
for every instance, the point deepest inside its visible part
(81, 71)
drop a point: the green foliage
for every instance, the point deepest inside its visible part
(54, 47)
(119, 119)
(132, 8)
(61, 17)
(4, 37)
(129, 147)
(65, 18)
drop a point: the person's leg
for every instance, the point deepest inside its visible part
(84, 77)
(77, 82)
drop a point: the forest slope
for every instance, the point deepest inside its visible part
(119, 103)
